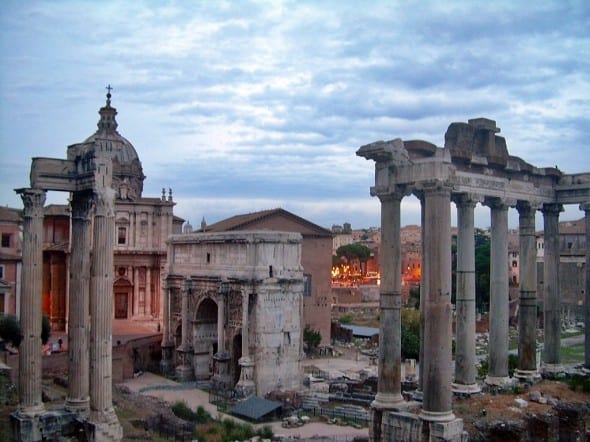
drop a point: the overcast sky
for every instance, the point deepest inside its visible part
(244, 106)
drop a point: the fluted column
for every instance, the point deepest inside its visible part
(465, 341)
(101, 308)
(527, 311)
(389, 384)
(221, 321)
(245, 386)
(79, 320)
(437, 369)
(552, 304)
(586, 208)
(29, 378)
(184, 370)
(499, 299)
(166, 365)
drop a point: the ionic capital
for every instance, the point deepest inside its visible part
(498, 203)
(104, 202)
(466, 200)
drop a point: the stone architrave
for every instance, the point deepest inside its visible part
(552, 306)
(465, 358)
(78, 399)
(499, 301)
(527, 312)
(437, 364)
(29, 380)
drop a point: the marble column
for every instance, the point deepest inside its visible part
(552, 305)
(101, 314)
(437, 364)
(148, 293)
(389, 370)
(527, 302)
(166, 364)
(184, 371)
(465, 358)
(245, 386)
(78, 399)
(418, 395)
(586, 208)
(499, 297)
(29, 377)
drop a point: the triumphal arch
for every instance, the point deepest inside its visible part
(474, 167)
(87, 174)
(233, 310)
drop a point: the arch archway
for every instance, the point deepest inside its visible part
(205, 338)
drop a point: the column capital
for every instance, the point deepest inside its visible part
(396, 194)
(437, 187)
(498, 203)
(552, 209)
(81, 205)
(33, 200)
(466, 199)
(104, 202)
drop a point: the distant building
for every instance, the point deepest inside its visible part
(10, 259)
(316, 258)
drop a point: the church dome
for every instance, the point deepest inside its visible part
(127, 170)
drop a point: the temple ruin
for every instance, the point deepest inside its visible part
(473, 167)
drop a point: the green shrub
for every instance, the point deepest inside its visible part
(10, 330)
(266, 432)
(345, 319)
(311, 338)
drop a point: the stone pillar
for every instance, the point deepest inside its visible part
(102, 415)
(184, 371)
(148, 293)
(29, 378)
(499, 301)
(79, 320)
(166, 364)
(245, 386)
(437, 364)
(465, 341)
(586, 208)
(423, 290)
(552, 305)
(389, 386)
(527, 303)
(221, 359)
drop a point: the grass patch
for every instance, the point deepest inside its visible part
(572, 354)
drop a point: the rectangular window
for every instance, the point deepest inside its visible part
(1, 272)
(122, 237)
(306, 284)
(6, 240)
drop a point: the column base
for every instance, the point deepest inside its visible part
(438, 416)
(51, 425)
(103, 426)
(528, 376)
(503, 382)
(185, 373)
(465, 389)
(31, 412)
(451, 431)
(552, 371)
(80, 406)
(388, 401)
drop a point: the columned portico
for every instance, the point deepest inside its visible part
(527, 312)
(474, 165)
(499, 301)
(465, 309)
(437, 369)
(552, 308)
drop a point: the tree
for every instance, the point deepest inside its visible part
(311, 338)
(410, 337)
(482, 270)
(355, 252)
(10, 330)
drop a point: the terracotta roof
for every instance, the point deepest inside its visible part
(570, 227)
(10, 214)
(252, 220)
